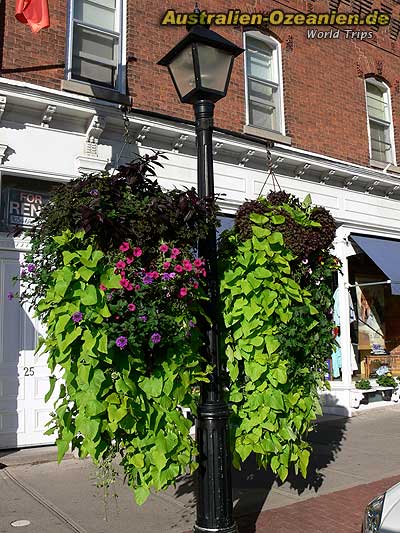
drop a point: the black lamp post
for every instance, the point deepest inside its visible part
(200, 66)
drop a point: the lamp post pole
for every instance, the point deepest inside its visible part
(200, 66)
(214, 504)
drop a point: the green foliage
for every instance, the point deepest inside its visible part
(124, 395)
(386, 380)
(278, 335)
(363, 384)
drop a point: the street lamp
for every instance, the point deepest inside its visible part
(200, 66)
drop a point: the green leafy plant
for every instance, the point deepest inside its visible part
(386, 380)
(277, 312)
(363, 384)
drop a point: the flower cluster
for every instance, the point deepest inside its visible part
(157, 300)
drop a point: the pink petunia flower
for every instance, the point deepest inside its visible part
(166, 265)
(197, 263)
(195, 284)
(175, 252)
(187, 265)
(129, 260)
(120, 264)
(178, 268)
(129, 286)
(137, 287)
(137, 252)
(132, 307)
(102, 287)
(124, 247)
(183, 292)
(154, 274)
(163, 248)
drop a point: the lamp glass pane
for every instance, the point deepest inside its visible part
(214, 67)
(182, 70)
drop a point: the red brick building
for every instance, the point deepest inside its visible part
(326, 98)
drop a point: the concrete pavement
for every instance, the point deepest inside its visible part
(354, 459)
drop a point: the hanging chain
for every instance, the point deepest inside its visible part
(128, 139)
(270, 172)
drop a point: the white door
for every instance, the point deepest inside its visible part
(23, 376)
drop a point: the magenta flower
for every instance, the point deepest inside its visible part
(175, 252)
(183, 292)
(121, 342)
(77, 317)
(166, 265)
(132, 307)
(178, 268)
(120, 264)
(129, 260)
(124, 283)
(129, 286)
(10, 295)
(124, 247)
(187, 265)
(154, 274)
(102, 287)
(155, 338)
(196, 284)
(137, 252)
(197, 263)
(163, 248)
(137, 287)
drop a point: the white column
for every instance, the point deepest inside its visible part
(343, 250)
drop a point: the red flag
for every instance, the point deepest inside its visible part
(33, 12)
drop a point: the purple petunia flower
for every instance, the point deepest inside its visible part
(77, 317)
(165, 276)
(143, 318)
(94, 192)
(155, 338)
(147, 279)
(31, 267)
(10, 295)
(121, 342)
(192, 324)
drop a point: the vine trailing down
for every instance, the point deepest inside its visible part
(113, 277)
(276, 291)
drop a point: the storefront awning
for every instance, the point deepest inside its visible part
(385, 253)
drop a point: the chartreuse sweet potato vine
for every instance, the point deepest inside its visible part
(276, 308)
(126, 339)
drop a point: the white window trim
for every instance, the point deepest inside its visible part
(120, 13)
(277, 59)
(388, 98)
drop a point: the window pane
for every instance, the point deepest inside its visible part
(262, 91)
(100, 13)
(377, 106)
(380, 142)
(87, 70)
(263, 116)
(259, 60)
(94, 56)
(96, 45)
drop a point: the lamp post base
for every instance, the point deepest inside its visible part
(231, 529)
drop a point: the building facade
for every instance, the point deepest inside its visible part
(318, 106)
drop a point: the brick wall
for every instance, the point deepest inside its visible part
(324, 94)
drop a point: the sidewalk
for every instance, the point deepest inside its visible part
(354, 460)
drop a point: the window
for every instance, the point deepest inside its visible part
(95, 42)
(263, 82)
(380, 121)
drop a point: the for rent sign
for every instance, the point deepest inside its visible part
(24, 206)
